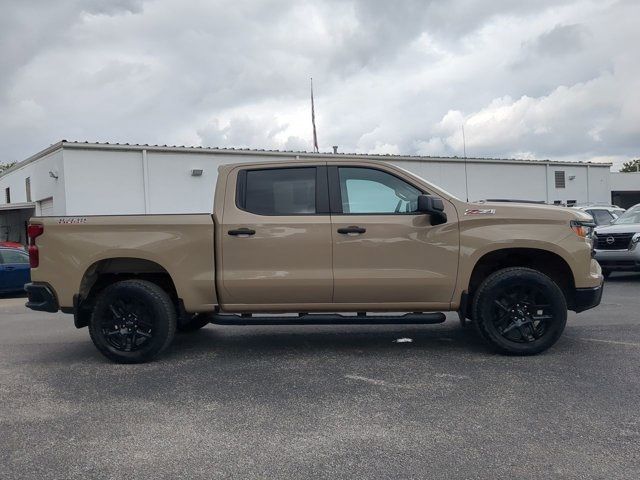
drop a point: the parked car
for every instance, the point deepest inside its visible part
(615, 209)
(616, 245)
(601, 215)
(12, 245)
(14, 270)
(309, 238)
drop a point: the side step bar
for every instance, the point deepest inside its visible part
(329, 319)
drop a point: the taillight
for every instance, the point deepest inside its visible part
(34, 231)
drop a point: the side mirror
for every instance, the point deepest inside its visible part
(434, 207)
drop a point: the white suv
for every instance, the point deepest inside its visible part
(616, 245)
(602, 214)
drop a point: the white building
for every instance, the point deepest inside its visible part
(71, 178)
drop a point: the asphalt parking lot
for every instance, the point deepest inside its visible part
(324, 402)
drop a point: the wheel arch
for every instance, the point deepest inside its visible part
(107, 271)
(545, 261)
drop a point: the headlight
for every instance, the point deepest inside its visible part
(582, 229)
(635, 238)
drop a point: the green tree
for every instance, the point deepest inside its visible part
(6, 166)
(631, 166)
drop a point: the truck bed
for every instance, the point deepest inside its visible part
(71, 249)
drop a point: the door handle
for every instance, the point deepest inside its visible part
(242, 231)
(352, 229)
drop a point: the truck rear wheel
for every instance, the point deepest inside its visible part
(132, 321)
(519, 311)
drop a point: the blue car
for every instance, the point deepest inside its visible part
(14, 270)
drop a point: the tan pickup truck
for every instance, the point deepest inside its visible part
(317, 243)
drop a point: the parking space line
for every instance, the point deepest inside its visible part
(613, 342)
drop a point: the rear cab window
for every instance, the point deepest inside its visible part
(282, 191)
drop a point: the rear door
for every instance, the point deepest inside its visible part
(275, 238)
(383, 250)
(14, 269)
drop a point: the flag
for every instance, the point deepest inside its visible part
(313, 122)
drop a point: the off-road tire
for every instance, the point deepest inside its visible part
(188, 322)
(490, 299)
(151, 302)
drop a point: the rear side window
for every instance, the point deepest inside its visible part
(278, 191)
(601, 217)
(13, 256)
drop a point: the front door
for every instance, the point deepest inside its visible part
(383, 250)
(276, 240)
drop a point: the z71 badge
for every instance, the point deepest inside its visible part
(480, 211)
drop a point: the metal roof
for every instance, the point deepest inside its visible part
(17, 206)
(280, 153)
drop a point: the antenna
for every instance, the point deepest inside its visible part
(464, 150)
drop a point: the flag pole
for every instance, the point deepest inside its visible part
(313, 122)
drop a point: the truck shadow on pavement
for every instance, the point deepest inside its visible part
(273, 342)
(330, 339)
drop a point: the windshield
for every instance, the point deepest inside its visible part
(630, 216)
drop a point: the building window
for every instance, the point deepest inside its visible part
(27, 187)
(7, 195)
(560, 180)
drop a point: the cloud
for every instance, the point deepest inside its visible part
(547, 79)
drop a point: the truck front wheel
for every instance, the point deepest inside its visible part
(132, 321)
(519, 311)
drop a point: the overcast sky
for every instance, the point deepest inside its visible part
(528, 79)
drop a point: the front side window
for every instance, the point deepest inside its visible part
(280, 191)
(14, 256)
(366, 190)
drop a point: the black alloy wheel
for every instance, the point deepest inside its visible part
(132, 321)
(128, 325)
(519, 311)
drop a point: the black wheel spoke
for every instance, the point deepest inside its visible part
(127, 326)
(534, 331)
(523, 333)
(510, 328)
(521, 313)
(502, 306)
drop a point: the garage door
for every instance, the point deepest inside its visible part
(46, 207)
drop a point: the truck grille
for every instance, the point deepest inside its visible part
(614, 241)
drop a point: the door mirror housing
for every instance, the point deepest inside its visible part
(434, 207)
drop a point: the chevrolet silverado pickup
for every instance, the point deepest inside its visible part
(317, 242)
